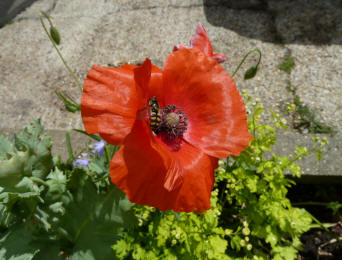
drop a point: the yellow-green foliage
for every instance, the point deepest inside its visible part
(251, 218)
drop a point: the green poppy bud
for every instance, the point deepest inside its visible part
(55, 35)
(251, 72)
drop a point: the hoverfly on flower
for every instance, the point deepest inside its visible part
(173, 124)
(154, 114)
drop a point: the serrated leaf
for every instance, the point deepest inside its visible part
(57, 184)
(39, 146)
(12, 170)
(16, 244)
(22, 199)
(94, 217)
(5, 147)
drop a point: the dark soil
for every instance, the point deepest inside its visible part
(319, 243)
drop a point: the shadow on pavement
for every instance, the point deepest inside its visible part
(315, 22)
(10, 8)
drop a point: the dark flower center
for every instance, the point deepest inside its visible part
(169, 122)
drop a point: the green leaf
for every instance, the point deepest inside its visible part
(94, 217)
(16, 244)
(251, 72)
(334, 206)
(5, 217)
(22, 199)
(55, 35)
(39, 146)
(6, 147)
(95, 137)
(48, 249)
(13, 169)
(57, 184)
(287, 65)
(68, 103)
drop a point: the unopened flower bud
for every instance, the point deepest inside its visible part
(55, 35)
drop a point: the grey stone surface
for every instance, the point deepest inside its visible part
(329, 166)
(120, 31)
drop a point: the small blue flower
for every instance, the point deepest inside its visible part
(98, 147)
(79, 162)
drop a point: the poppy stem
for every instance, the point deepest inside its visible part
(107, 152)
(55, 46)
(68, 143)
(245, 57)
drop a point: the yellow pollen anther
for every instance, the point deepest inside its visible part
(172, 119)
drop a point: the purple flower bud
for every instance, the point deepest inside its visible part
(99, 147)
(79, 162)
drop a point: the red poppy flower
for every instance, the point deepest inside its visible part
(200, 40)
(173, 126)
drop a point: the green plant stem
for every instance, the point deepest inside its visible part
(298, 157)
(68, 143)
(38, 180)
(56, 48)
(310, 203)
(245, 57)
(254, 130)
(324, 227)
(106, 149)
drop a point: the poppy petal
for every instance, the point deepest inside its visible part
(109, 103)
(201, 40)
(142, 75)
(217, 121)
(148, 78)
(140, 169)
(219, 57)
(156, 84)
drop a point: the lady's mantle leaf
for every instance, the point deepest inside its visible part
(15, 244)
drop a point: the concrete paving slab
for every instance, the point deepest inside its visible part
(115, 32)
(317, 76)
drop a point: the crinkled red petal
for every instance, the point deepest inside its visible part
(217, 121)
(109, 102)
(152, 175)
(148, 78)
(201, 40)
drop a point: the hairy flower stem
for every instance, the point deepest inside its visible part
(67, 139)
(245, 57)
(55, 46)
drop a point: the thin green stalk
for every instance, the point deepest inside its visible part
(310, 203)
(106, 149)
(59, 53)
(254, 130)
(68, 143)
(324, 227)
(38, 180)
(245, 57)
